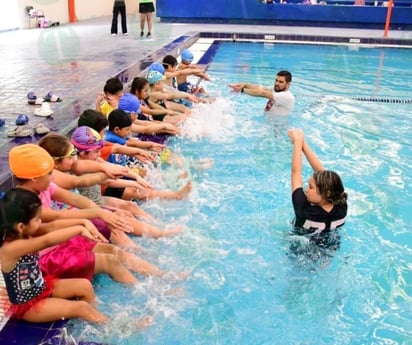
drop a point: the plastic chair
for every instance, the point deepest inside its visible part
(34, 14)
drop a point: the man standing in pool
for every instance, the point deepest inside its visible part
(280, 99)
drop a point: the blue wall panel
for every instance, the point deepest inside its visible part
(252, 10)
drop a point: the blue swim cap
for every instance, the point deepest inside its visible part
(154, 76)
(157, 66)
(129, 103)
(187, 55)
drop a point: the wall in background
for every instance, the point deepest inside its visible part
(253, 12)
(9, 16)
(14, 15)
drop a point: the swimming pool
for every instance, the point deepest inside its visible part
(244, 286)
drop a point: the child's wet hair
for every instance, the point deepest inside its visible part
(17, 206)
(138, 85)
(93, 119)
(113, 86)
(330, 186)
(120, 119)
(169, 60)
(55, 144)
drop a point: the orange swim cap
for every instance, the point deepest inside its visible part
(30, 161)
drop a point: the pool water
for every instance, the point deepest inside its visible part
(245, 286)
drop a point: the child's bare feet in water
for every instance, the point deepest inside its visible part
(203, 164)
(168, 194)
(183, 175)
(173, 231)
(185, 190)
(144, 322)
(176, 276)
(130, 326)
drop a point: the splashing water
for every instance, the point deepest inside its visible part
(244, 284)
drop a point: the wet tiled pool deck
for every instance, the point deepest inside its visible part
(75, 60)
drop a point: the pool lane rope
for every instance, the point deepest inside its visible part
(365, 99)
(382, 100)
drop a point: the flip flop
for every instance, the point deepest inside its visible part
(44, 110)
(20, 132)
(2, 122)
(41, 129)
(32, 99)
(51, 97)
(22, 120)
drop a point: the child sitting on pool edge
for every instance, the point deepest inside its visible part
(32, 168)
(89, 143)
(118, 133)
(186, 66)
(108, 100)
(34, 297)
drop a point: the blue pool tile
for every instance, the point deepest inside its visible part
(18, 332)
(23, 333)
